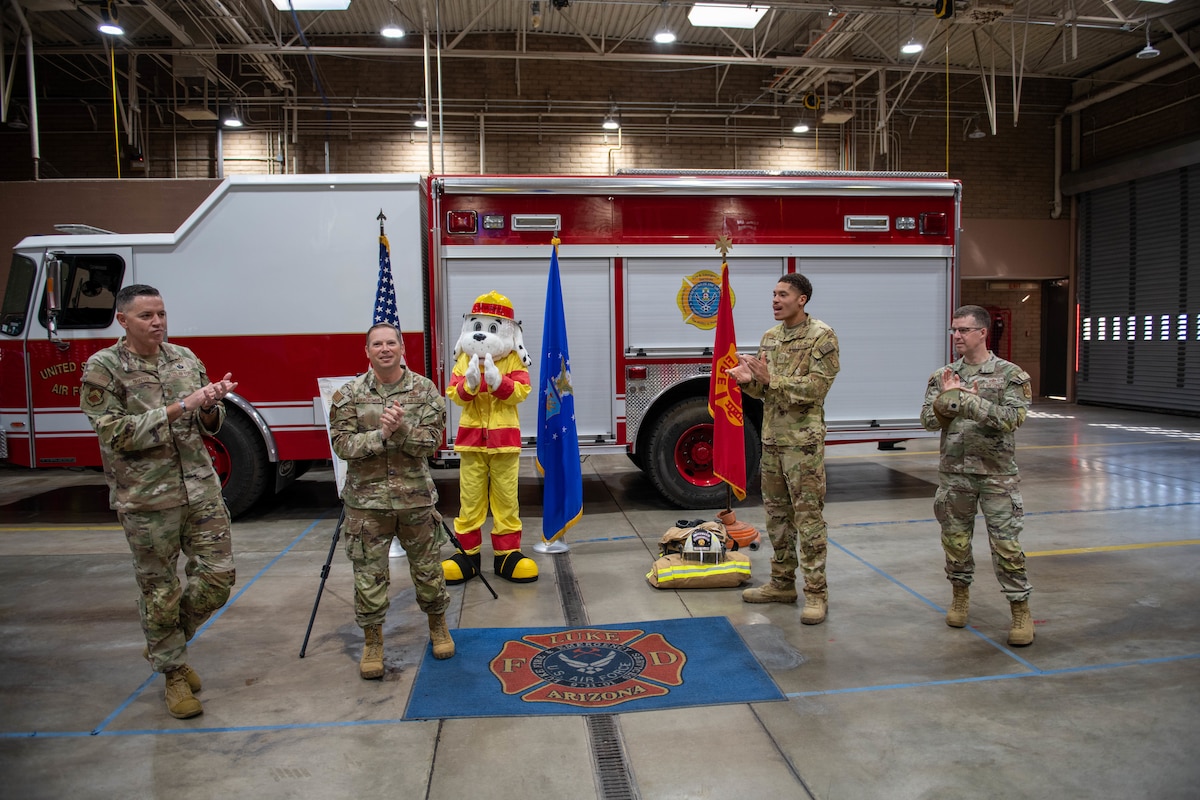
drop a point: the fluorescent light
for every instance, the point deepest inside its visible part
(312, 5)
(715, 15)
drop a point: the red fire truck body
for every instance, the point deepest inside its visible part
(273, 279)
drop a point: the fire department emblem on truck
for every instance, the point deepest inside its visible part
(699, 297)
(589, 667)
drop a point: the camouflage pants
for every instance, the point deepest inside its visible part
(998, 497)
(369, 538)
(793, 489)
(171, 613)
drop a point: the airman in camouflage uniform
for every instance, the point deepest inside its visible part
(796, 363)
(977, 403)
(385, 424)
(150, 403)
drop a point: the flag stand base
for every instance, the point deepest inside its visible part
(557, 546)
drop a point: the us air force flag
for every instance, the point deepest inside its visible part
(557, 442)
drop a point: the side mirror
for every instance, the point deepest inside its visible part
(54, 278)
(54, 271)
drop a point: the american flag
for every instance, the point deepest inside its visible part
(385, 292)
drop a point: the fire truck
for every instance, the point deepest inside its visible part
(273, 278)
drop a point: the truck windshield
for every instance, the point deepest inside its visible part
(14, 302)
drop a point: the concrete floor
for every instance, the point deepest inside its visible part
(884, 700)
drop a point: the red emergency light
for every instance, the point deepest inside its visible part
(635, 373)
(462, 221)
(934, 223)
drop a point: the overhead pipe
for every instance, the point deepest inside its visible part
(34, 141)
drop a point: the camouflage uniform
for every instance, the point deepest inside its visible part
(802, 361)
(389, 491)
(164, 489)
(978, 468)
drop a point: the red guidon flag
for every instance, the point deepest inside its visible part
(725, 399)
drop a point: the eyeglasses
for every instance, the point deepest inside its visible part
(964, 331)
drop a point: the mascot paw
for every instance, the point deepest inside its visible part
(460, 568)
(516, 567)
(491, 372)
(471, 377)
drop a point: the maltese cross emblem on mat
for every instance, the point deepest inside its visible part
(589, 667)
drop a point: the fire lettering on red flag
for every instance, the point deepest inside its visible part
(725, 398)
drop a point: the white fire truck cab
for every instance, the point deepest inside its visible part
(273, 278)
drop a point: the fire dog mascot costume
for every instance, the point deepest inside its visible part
(491, 377)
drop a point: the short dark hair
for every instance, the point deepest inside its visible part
(378, 325)
(126, 295)
(800, 283)
(977, 313)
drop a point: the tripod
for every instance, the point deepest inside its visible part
(337, 532)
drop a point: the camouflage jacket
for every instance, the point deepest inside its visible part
(980, 440)
(393, 473)
(802, 361)
(150, 463)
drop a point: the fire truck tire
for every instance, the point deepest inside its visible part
(680, 457)
(240, 461)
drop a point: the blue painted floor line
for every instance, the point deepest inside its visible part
(1006, 676)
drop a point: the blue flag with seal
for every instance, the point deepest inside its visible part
(557, 441)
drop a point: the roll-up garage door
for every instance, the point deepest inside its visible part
(1139, 293)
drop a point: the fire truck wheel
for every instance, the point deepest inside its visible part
(680, 460)
(240, 461)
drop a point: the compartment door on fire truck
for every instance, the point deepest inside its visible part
(588, 303)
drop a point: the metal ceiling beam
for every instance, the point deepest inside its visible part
(610, 57)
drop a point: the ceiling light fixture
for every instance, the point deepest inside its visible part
(231, 118)
(611, 123)
(1149, 51)
(108, 22)
(664, 34)
(912, 46)
(311, 5)
(976, 132)
(716, 15)
(391, 31)
(420, 120)
(800, 127)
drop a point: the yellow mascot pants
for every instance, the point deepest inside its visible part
(488, 479)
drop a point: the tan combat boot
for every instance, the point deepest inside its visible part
(181, 704)
(443, 645)
(1021, 632)
(769, 593)
(371, 664)
(815, 606)
(960, 606)
(189, 674)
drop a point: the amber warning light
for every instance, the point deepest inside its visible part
(461, 221)
(934, 223)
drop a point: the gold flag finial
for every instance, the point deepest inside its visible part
(724, 245)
